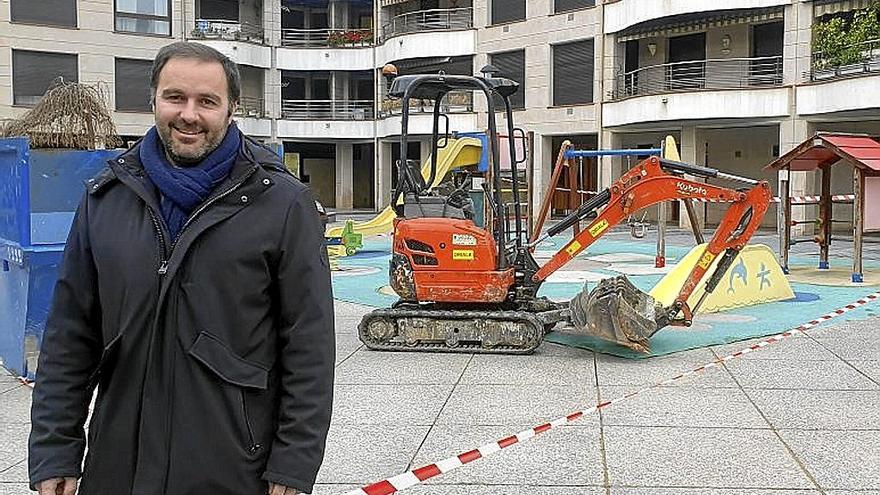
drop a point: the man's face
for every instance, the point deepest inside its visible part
(191, 108)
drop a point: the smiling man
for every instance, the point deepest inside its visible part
(194, 294)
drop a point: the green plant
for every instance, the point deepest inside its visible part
(838, 42)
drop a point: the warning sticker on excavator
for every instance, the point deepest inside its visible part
(464, 240)
(573, 248)
(463, 254)
(600, 227)
(706, 260)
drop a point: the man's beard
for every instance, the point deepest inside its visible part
(211, 143)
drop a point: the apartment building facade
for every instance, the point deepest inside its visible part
(736, 82)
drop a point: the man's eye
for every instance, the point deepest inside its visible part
(209, 103)
(174, 98)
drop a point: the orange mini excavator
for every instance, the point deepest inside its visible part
(465, 288)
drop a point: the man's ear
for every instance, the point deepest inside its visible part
(232, 109)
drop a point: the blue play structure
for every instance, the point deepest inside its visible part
(39, 192)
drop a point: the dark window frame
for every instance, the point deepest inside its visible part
(116, 86)
(494, 22)
(521, 93)
(15, 92)
(75, 24)
(147, 17)
(554, 97)
(557, 10)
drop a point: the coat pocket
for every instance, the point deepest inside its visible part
(246, 378)
(216, 356)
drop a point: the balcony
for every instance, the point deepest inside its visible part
(323, 38)
(251, 107)
(850, 60)
(228, 31)
(729, 73)
(327, 109)
(454, 102)
(429, 20)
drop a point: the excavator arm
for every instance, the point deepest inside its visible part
(616, 310)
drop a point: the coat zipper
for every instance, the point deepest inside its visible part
(163, 263)
(253, 445)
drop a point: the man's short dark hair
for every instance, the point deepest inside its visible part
(204, 53)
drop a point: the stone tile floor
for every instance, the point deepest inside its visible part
(800, 416)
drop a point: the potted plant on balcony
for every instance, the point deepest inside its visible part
(350, 38)
(844, 48)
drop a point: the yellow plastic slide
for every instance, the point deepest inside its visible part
(461, 152)
(754, 278)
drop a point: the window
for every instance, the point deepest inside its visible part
(34, 72)
(512, 65)
(144, 16)
(50, 12)
(573, 69)
(568, 5)
(508, 11)
(132, 85)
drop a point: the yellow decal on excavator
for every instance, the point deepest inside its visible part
(600, 227)
(463, 254)
(573, 248)
(706, 260)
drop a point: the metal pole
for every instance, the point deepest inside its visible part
(660, 259)
(825, 218)
(858, 219)
(573, 202)
(785, 241)
(547, 201)
(694, 221)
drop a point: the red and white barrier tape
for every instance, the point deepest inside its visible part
(794, 199)
(411, 478)
(774, 199)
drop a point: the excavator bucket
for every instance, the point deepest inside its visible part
(617, 311)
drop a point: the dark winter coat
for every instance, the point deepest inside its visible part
(213, 354)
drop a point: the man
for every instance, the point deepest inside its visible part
(195, 295)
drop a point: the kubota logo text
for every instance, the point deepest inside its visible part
(690, 189)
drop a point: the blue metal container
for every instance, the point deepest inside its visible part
(39, 192)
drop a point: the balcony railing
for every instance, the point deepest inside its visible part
(454, 102)
(228, 30)
(337, 38)
(429, 20)
(730, 73)
(859, 58)
(327, 109)
(251, 107)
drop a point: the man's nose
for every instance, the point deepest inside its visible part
(189, 112)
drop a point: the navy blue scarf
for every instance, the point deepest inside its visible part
(185, 188)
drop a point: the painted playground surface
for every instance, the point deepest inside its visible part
(363, 279)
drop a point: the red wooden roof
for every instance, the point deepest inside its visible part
(827, 149)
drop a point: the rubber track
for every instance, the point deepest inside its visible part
(444, 314)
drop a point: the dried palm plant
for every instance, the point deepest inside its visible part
(69, 115)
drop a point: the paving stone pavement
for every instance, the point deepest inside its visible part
(801, 416)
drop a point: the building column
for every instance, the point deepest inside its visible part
(272, 22)
(543, 169)
(344, 176)
(610, 168)
(382, 173)
(692, 150)
(797, 42)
